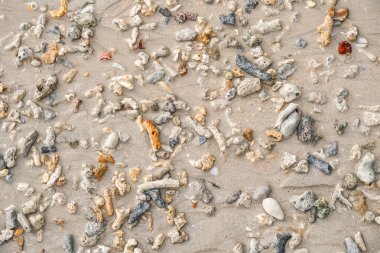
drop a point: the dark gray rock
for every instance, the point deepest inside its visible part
(228, 19)
(319, 164)
(246, 65)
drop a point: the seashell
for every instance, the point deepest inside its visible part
(273, 208)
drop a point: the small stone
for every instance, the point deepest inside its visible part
(68, 243)
(351, 246)
(233, 196)
(165, 12)
(303, 202)
(350, 181)
(156, 76)
(89, 241)
(301, 43)
(306, 132)
(85, 19)
(331, 149)
(366, 172)
(323, 208)
(282, 239)
(369, 217)
(231, 93)
(285, 71)
(261, 192)
(250, 5)
(263, 62)
(228, 19)
(273, 208)
(74, 32)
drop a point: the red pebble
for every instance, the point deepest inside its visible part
(344, 48)
(107, 55)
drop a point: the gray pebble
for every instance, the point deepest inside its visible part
(89, 214)
(301, 43)
(331, 149)
(228, 19)
(156, 76)
(351, 245)
(285, 71)
(68, 243)
(261, 192)
(250, 5)
(141, 208)
(11, 218)
(48, 114)
(155, 195)
(306, 132)
(230, 94)
(95, 228)
(163, 118)
(85, 19)
(74, 32)
(233, 196)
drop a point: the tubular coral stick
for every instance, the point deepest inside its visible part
(154, 134)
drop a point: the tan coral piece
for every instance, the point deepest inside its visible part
(170, 214)
(276, 135)
(99, 171)
(339, 14)
(325, 30)
(108, 202)
(50, 56)
(61, 11)
(134, 173)
(102, 158)
(154, 134)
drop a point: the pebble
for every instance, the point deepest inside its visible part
(366, 172)
(273, 208)
(286, 70)
(282, 239)
(331, 149)
(85, 19)
(351, 246)
(301, 167)
(233, 196)
(95, 228)
(68, 243)
(244, 200)
(303, 202)
(250, 5)
(306, 132)
(141, 208)
(165, 12)
(228, 19)
(301, 43)
(261, 192)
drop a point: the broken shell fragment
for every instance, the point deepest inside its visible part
(290, 92)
